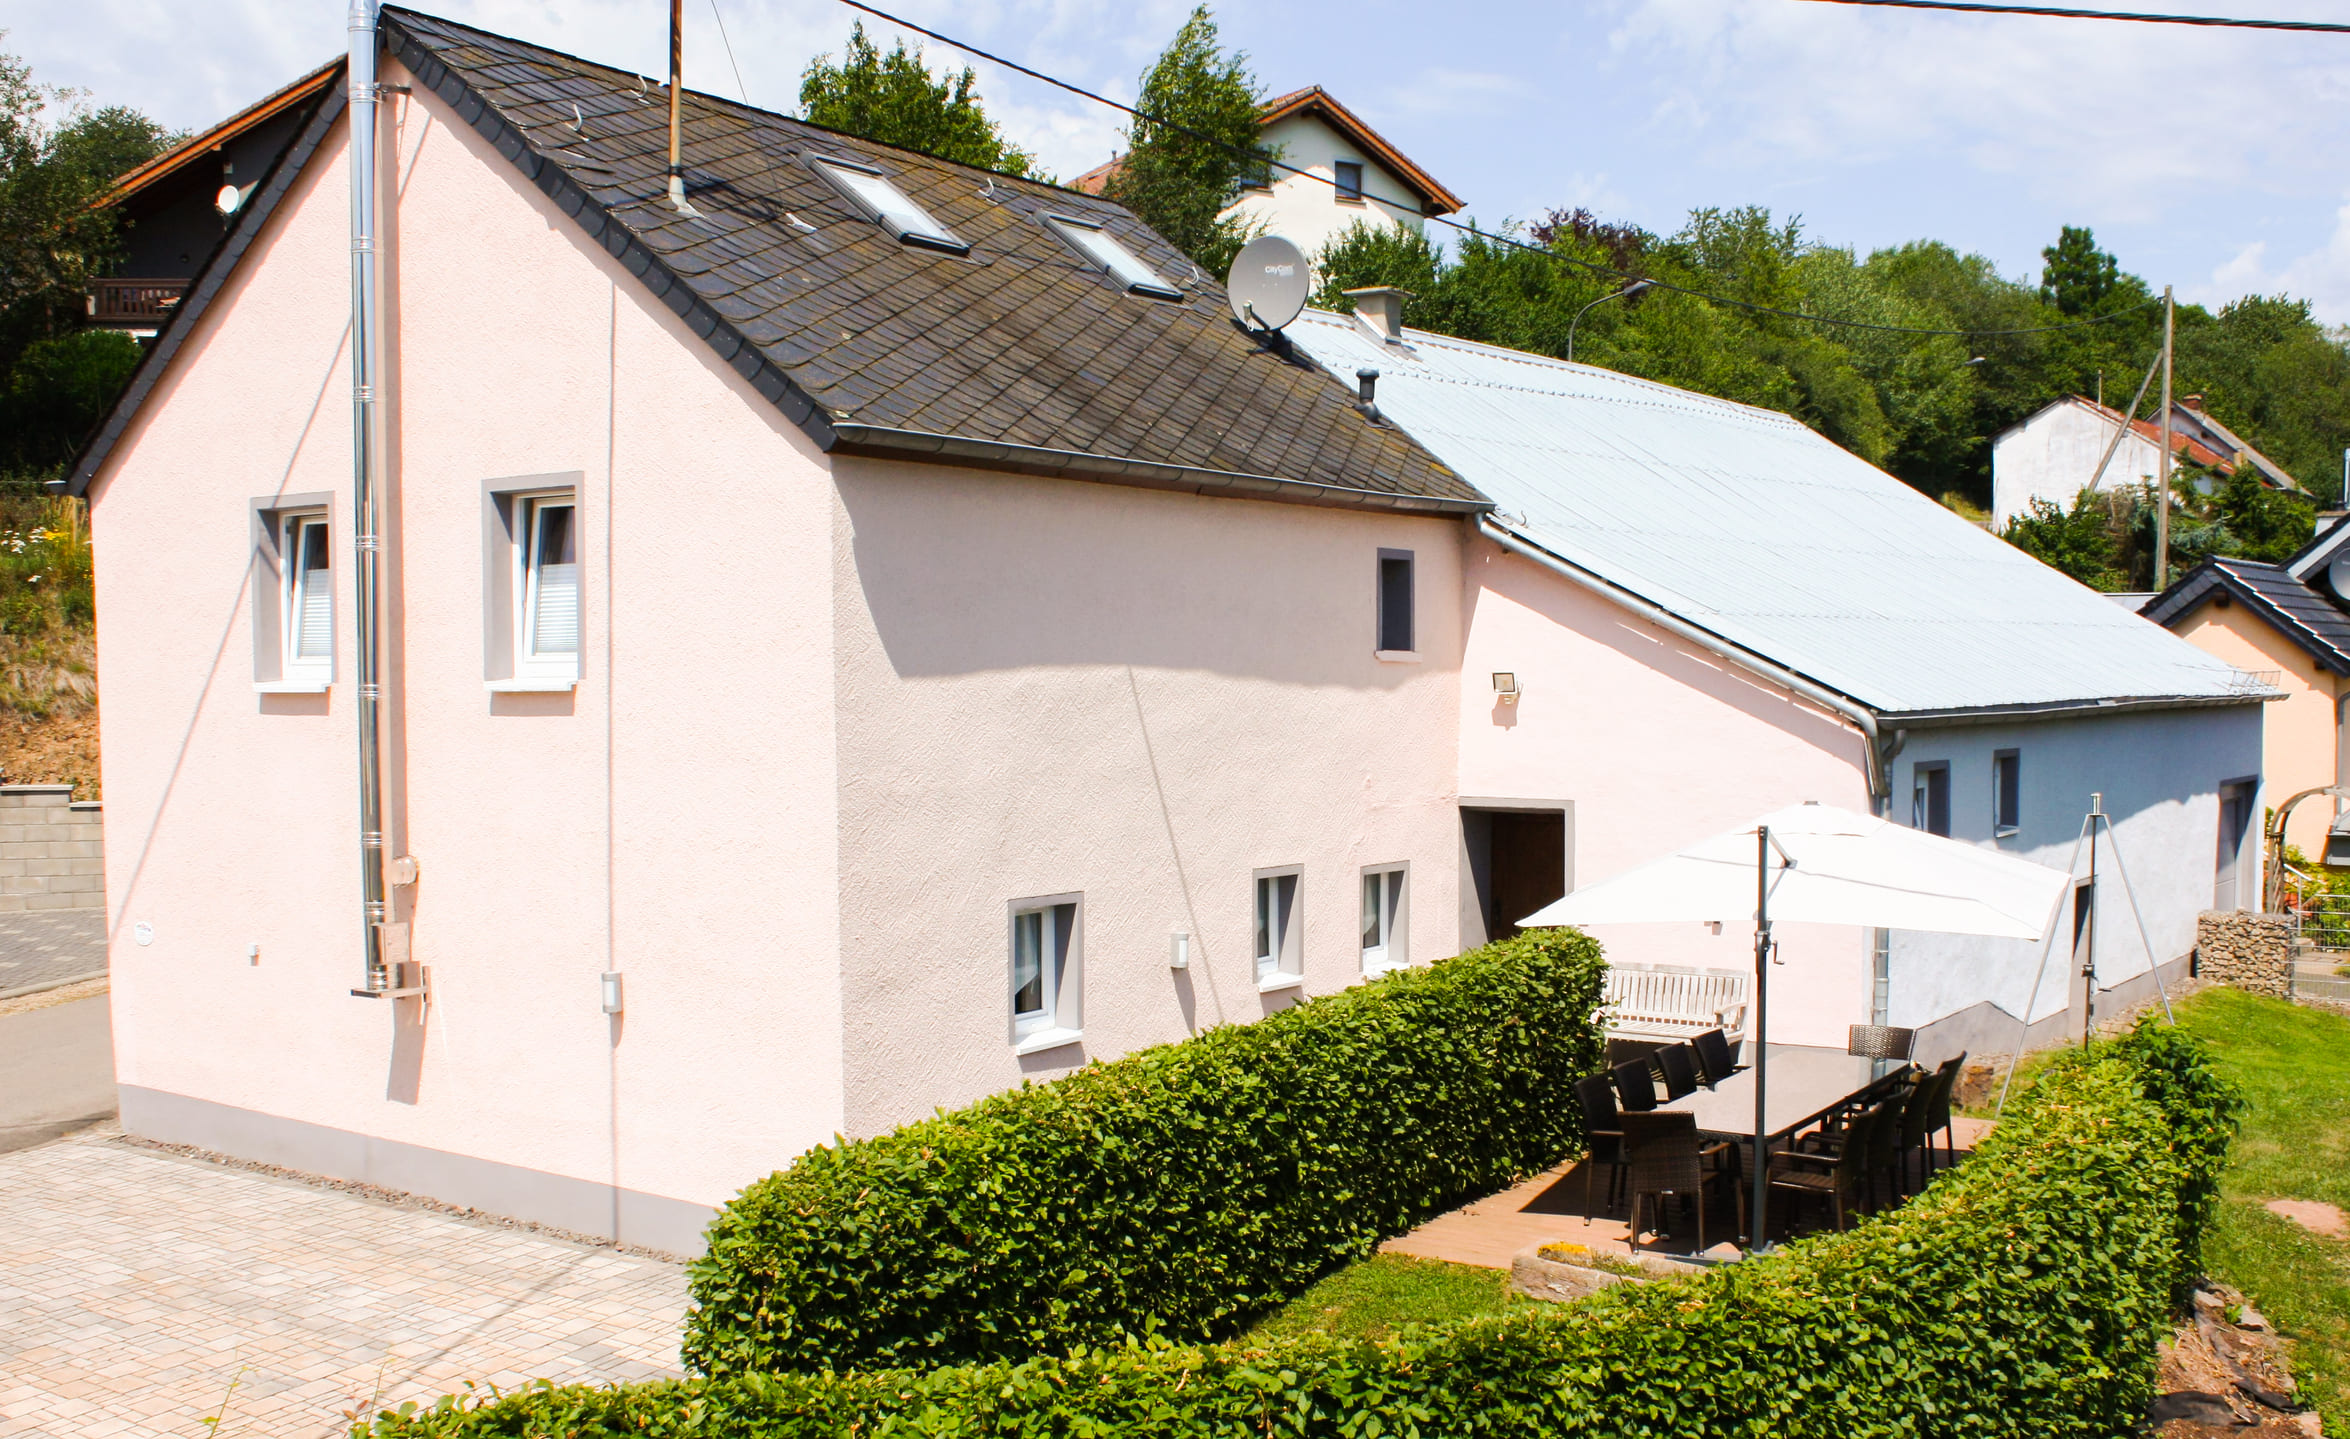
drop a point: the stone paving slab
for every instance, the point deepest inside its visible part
(136, 1288)
(49, 946)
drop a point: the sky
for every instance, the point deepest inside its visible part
(2215, 161)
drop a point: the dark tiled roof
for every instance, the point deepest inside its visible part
(1018, 355)
(2295, 609)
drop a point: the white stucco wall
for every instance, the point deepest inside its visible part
(2052, 455)
(673, 819)
(1308, 210)
(2159, 772)
(1656, 744)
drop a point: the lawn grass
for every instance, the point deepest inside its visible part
(2293, 1064)
(1386, 1292)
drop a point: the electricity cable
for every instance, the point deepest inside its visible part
(1488, 236)
(729, 44)
(2225, 22)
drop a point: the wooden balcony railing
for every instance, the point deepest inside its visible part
(135, 302)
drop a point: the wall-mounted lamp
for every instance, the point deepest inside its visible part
(1179, 951)
(612, 1003)
(1505, 684)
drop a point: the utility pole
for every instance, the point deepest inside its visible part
(2162, 489)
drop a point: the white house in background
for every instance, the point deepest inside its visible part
(2053, 455)
(1699, 604)
(1353, 175)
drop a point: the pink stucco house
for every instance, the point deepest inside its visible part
(890, 634)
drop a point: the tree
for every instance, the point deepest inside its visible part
(893, 99)
(2076, 275)
(1193, 145)
(57, 392)
(2080, 542)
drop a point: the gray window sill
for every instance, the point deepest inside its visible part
(530, 686)
(1397, 657)
(292, 687)
(1045, 1039)
(1273, 982)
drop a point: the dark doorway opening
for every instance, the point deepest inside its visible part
(1516, 862)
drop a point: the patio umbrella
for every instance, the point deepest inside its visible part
(1819, 864)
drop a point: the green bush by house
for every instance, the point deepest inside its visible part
(1178, 1191)
(2022, 1294)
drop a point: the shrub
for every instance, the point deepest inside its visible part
(1178, 1191)
(2021, 1294)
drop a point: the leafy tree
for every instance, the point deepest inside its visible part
(2080, 542)
(1183, 165)
(59, 390)
(895, 100)
(2077, 276)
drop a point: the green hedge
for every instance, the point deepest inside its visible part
(1178, 1191)
(2022, 1294)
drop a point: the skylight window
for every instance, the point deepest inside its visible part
(872, 192)
(1102, 247)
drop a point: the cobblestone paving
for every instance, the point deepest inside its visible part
(45, 946)
(135, 1288)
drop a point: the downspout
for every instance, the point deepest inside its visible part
(1877, 757)
(367, 466)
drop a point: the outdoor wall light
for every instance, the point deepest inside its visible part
(612, 1004)
(1179, 951)
(1505, 684)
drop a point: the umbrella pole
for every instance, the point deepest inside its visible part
(1758, 1205)
(2153, 965)
(2089, 962)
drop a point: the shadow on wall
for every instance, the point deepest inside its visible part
(1078, 573)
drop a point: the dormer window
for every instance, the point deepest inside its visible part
(869, 190)
(1103, 249)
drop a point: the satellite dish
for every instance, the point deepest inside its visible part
(2338, 574)
(1268, 283)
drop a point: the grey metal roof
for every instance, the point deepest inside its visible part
(2293, 607)
(1748, 524)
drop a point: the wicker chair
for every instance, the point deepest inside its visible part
(1635, 1085)
(1879, 1041)
(1945, 1084)
(1915, 1105)
(1713, 1056)
(1680, 1065)
(1838, 1178)
(1875, 1130)
(1663, 1156)
(1604, 1126)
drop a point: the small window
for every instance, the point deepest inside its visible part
(1045, 961)
(306, 609)
(1350, 180)
(547, 645)
(1102, 247)
(1383, 915)
(1279, 938)
(1929, 801)
(872, 192)
(1395, 602)
(2007, 793)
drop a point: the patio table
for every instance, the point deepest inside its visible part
(1807, 1085)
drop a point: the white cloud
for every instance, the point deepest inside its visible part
(2320, 275)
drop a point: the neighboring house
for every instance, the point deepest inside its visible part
(2291, 623)
(1706, 605)
(2053, 455)
(175, 209)
(893, 636)
(1353, 176)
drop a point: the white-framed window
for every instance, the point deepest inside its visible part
(1929, 797)
(546, 580)
(1384, 945)
(1279, 928)
(306, 602)
(1047, 952)
(1395, 605)
(1349, 177)
(2007, 793)
(890, 207)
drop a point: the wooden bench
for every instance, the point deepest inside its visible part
(1665, 1002)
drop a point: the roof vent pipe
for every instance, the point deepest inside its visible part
(1380, 309)
(367, 456)
(1367, 386)
(677, 200)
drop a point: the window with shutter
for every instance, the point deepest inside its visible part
(548, 645)
(306, 607)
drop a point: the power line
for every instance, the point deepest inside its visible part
(1488, 236)
(2224, 22)
(729, 44)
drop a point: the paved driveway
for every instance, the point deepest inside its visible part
(136, 1288)
(50, 946)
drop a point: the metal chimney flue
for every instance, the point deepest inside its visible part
(1380, 309)
(677, 200)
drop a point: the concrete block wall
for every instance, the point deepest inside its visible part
(50, 854)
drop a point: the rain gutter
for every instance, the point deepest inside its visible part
(1859, 715)
(2070, 709)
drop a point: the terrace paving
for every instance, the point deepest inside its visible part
(138, 1287)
